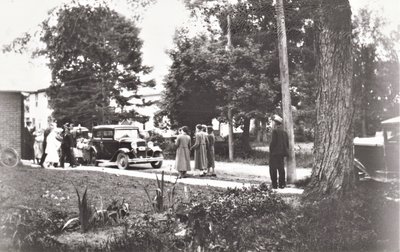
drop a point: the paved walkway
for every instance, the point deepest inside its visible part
(170, 175)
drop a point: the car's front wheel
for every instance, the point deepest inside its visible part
(159, 163)
(122, 161)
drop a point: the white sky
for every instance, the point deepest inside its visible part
(20, 72)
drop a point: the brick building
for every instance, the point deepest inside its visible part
(11, 119)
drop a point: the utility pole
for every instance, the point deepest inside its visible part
(286, 101)
(230, 116)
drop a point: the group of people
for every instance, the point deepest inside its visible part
(204, 155)
(43, 147)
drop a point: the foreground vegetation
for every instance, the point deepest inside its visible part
(36, 204)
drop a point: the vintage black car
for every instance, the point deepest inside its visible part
(378, 157)
(123, 144)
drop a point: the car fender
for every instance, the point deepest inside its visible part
(92, 148)
(360, 166)
(123, 150)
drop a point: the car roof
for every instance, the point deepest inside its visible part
(115, 126)
(76, 128)
(391, 121)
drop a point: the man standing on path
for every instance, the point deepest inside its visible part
(278, 150)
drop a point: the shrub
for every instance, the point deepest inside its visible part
(239, 220)
(30, 229)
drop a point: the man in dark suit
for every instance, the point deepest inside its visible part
(278, 150)
(67, 146)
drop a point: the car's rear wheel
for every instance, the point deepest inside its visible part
(159, 163)
(122, 161)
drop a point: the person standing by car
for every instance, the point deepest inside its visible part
(66, 147)
(278, 150)
(200, 150)
(211, 152)
(182, 160)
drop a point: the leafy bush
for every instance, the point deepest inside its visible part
(239, 220)
(30, 229)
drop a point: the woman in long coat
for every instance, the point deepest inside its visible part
(200, 150)
(182, 160)
(211, 152)
(52, 146)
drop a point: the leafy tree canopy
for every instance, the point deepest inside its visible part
(205, 80)
(94, 56)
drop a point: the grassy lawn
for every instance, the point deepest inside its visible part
(54, 189)
(254, 219)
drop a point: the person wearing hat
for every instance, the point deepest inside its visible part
(28, 141)
(278, 150)
(67, 147)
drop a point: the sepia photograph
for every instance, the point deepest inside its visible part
(199, 125)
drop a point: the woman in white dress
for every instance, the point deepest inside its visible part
(53, 144)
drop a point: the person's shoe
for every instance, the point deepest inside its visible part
(203, 174)
(274, 187)
(281, 187)
(213, 175)
(72, 166)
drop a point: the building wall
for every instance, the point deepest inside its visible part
(11, 120)
(37, 109)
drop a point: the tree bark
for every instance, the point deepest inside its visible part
(246, 135)
(230, 136)
(333, 172)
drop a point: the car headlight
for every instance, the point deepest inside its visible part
(150, 144)
(133, 145)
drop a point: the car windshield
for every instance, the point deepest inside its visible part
(123, 133)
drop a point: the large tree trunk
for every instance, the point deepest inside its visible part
(333, 173)
(246, 135)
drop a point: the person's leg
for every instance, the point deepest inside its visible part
(42, 159)
(62, 158)
(273, 171)
(72, 161)
(282, 175)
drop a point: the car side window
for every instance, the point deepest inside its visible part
(97, 134)
(108, 134)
